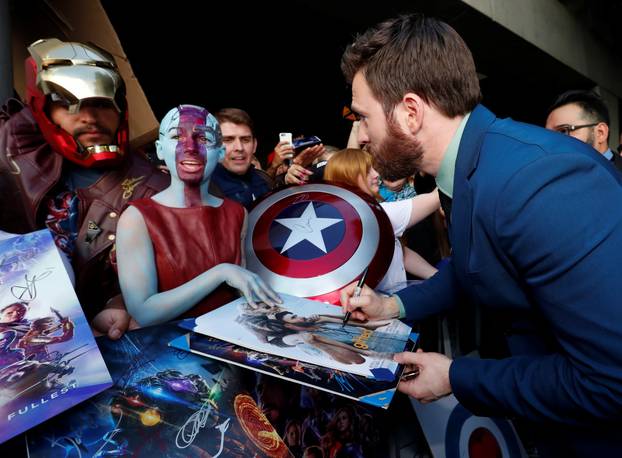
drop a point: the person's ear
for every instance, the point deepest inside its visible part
(158, 145)
(602, 134)
(413, 108)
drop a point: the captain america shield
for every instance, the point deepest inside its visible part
(312, 240)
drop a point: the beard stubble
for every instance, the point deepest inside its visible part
(398, 156)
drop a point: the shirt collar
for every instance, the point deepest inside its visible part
(608, 154)
(446, 172)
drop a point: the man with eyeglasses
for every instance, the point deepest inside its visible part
(584, 116)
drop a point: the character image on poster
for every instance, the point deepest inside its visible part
(171, 403)
(309, 331)
(48, 358)
(370, 391)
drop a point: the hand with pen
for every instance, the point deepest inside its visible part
(368, 305)
(429, 372)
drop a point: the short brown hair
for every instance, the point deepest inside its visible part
(235, 116)
(412, 53)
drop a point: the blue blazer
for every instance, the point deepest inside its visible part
(536, 232)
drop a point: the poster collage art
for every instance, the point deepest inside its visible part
(168, 402)
(378, 393)
(49, 360)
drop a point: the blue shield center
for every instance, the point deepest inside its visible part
(305, 250)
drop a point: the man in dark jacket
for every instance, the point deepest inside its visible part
(235, 176)
(584, 116)
(65, 165)
(533, 241)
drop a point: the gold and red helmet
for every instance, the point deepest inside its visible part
(74, 73)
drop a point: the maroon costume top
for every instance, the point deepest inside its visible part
(189, 241)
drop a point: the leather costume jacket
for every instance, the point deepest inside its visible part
(29, 173)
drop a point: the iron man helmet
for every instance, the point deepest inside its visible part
(73, 73)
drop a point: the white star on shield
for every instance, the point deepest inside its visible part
(306, 227)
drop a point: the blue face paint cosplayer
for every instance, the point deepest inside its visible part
(190, 143)
(176, 249)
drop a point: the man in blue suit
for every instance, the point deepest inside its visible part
(534, 235)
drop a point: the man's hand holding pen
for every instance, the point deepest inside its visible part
(368, 305)
(431, 381)
(358, 289)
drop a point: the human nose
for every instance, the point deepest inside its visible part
(190, 143)
(237, 145)
(362, 134)
(88, 114)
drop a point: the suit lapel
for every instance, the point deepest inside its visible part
(466, 163)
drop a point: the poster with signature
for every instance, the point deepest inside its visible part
(310, 331)
(378, 393)
(49, 360)
(170, 403)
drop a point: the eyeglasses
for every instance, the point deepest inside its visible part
(567, 128)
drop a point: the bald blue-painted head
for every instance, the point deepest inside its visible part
(190, 143)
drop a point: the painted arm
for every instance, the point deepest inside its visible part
(139, 279)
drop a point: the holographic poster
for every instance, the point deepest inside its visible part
(49, 360)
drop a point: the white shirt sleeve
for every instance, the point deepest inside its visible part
(399, 214)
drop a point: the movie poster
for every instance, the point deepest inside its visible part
(171, 403)
(378, 393)
(48, 357)
(310, 331)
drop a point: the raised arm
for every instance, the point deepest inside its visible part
(408, 212)
(423, 205)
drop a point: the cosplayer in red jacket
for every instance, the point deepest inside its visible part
(65, 165)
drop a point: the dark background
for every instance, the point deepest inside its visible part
(280, 60)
